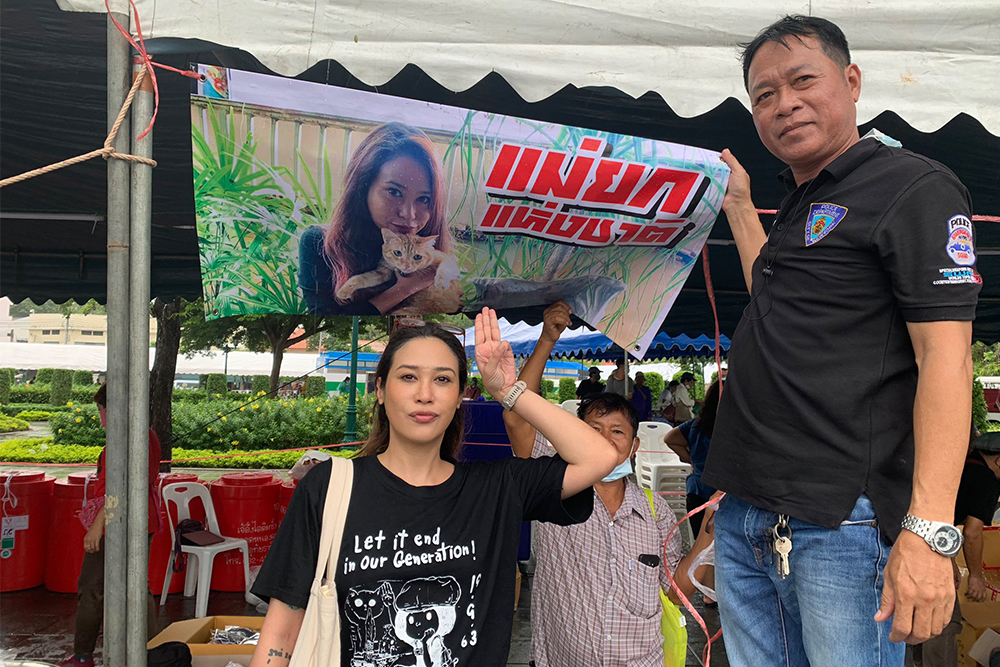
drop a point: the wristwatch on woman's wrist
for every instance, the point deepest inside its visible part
(513, 394)
(943, 538)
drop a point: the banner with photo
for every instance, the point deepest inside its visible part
(320, 199)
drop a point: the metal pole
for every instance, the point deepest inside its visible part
(138, 409)
(351, 427)
(116, 523)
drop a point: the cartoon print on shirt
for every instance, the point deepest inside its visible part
(425, 613)
(370, 614)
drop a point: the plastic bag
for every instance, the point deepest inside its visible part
(250, 597)
(706, 557)
(234, 634)
(306, 462)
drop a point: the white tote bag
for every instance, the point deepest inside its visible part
(318, 644)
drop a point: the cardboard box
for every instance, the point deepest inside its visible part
(197, 632)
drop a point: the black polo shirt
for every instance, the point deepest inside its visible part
(818, 406)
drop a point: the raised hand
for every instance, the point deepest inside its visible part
(555, 320)
(494, 356)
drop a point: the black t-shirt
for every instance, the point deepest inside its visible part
(818, 406)
(978, 492)
(316, 280)
(423, 571)
(588, 387)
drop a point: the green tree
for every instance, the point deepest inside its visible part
(26, 307)
(62, 386)
(980, 412)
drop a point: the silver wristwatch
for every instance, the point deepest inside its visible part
(942, 537)
(512, 395)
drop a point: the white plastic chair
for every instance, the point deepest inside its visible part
(570, 406)
(199, 579)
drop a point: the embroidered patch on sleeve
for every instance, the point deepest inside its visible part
(953, 276)
(959, 246)
(822, 218)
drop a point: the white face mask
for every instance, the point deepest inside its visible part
(622, 469)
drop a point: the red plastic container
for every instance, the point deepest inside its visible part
(285, 497)
(65, 547)
(160, 551)
(25, 528)
(247, 506)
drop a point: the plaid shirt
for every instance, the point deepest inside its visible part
(593, 603)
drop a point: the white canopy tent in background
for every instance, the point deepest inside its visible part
(94, 358)
(924, 59)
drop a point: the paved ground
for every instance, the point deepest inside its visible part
(36, 624)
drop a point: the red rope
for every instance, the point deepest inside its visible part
(706, 655)
(147, 59)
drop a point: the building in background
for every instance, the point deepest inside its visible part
(53, 328)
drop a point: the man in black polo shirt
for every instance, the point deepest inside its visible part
(856, 340)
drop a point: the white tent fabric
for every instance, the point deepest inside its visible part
(924, 59)
(94, 358)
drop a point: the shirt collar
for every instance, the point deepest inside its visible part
(841, 166)
(635, 501)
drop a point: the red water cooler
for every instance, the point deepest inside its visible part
(246, 504)
(285, 497)
(26, 503)
(161, 549)
(65, 547)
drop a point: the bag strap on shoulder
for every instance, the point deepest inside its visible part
(338, 497)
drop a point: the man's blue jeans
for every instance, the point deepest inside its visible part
(821, 615)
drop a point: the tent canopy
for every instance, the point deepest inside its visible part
(928, 61)
(53, 88)
(586, 343)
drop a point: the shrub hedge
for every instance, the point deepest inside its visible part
(44, 375)
(6, 380)
(34, 415)
(261, 383)
(61, 389)
(83, 378)
(315, 386)
(216, 384)
(567, 389)
(13, 409)
(9, 424)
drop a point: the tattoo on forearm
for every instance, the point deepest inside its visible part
(277, 653)
(294, 608)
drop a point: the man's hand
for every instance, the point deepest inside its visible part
(737, 198)
(92, 540)
(555, 320)
(918, 591)
(977, 589)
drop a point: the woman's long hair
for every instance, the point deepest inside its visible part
(378, 440)
(352, 243)
(709, 408)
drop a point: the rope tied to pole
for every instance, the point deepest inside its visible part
(107, 151)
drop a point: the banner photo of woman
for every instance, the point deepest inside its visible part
(320, 199)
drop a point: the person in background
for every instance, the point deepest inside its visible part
(592, 385)
(978, 492)
(691, 440)
(665, 404)
(596, 599)
(473, 390)
(619, 382)
(90, 585)
(683, 401)
(642, 398)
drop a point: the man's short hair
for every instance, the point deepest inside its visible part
(830, 37)
(687, 376)
(672, 384)
(594, 370)
(603, 404)
(619, 363)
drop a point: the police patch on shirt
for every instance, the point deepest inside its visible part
(821, 220)
(953, 276)
(959, 245)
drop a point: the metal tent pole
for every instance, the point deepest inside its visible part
(138, 384)
(116, 459)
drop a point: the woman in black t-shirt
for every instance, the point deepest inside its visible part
(425, 570)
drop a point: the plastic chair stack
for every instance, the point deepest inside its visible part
(201, 559)
(658, 468)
